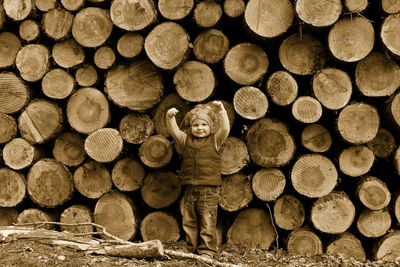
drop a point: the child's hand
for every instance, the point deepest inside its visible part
(219, 105)
(172, 112)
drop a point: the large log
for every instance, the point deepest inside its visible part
(19, 154)
(68, 149)
(77, 214)
(11, 44)
(347, 246)
(17, 9)
(32, 62)
(136, 128)
(356, 160)
(133, 15)
(128, 174)
(318, 13)
(156, 151)
(304, 242)
(12, 187)
(373, 192)
(57, 23)
(211, 46)
(235, 192)
(160, 225)
(388, 247)
(8, 128)
(68, 53)
(234, 155)
(250, 103)
(58, 84)
(35, 215)
(374, 223)
(268, 183)
(14, 93)
(289, 212)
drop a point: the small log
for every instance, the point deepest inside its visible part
(137, 86)
(104, 57)
(306, 109)
(268, 184)
(175, 10)
(390, 6)
(156, 151)
(29, 30)
(118, 214)
(347, 246)
(68, 149)
(234, 8)
(332, 87)
(68, 53)
(92, 26)
(316, 138)
(268, 18)
(33, 215)
(250, 102)
(377, 75)
(40, 121)
(49, 183)
(351, 39)
(18, 9)
(58, 84)
(72, 5)
(333, 213)
(234, 155)
(383, 145)
(160, 189)
(8, 216)
(389, 33)
(8, 128)
(86, 75)
(167, 45)
(11, 44)
(289, 212)
(32, 62)
(396, 208)
(246, 63)
(14, 93)
(356, 160)
(358, 123)
(355, 6)
(130, 45)
(374, 223)
(252, 227)
(302, 54)
(87, 110)
(13, 187)
(304, 242)
(318, 13)
(207, 13)
(388, 247)
(45, 5)
(57, 23)
(194, 81)
(104, 145)
(133, 15)
(270, 143)
(77, 214)
(19, 154)
(235, 192)
(373, 193)
(313, 175)
(135, 128)
(282, 88)
(128, 174)
(92, 179)
(159, 225)
(211, 46)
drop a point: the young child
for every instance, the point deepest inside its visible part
(201, 174)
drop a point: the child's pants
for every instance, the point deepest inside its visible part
(200, 218)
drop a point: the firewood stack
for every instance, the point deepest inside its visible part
(312, 162)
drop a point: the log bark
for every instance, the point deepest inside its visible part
(77, 214)
(234, 155)
(347, 246)
(86, 75)
(383, 145)
(133, 15)
(136, 128)
(358, 123)
(92, 179)
(373, 193)
(130, 45)
(304, 242)
(210, 46)
(270, 143)
(32, 62)
(207, 13)
(128, 174)
(104, 57)
(267, 18)
(14, 93)
(58, 84)
(87, 110)
(316, 138)
(313, 175)
(8, 216)
(235, 192)
(396, 208)
(118, 214)
(68, 53)
(137, 86)
(246, 63)
(355, 6)
(282, 88)
(45, 5)
(92, 26)
(250, 102)
(167, 45)
(389, 33)
(160, 189)
(333, 213)
(8, 128)
(194, 81)
(160, 225)
(40, 121)
(17, 9)
(19, 154)
(351, 39)
(388, 247)
(289, 212)
(156, 151)
(68, 149)
(318, 13)
(57, 23)
(72, 5)
(268, 184)
(390, 6)
(355, 161)
(175, 10)
(374, 223)
(49, 183)
(104, 145)
(29, 30)
(33, 215)
(306, 109)
(332, 87)
(393, 110)
(234, 9)
(12, 187)
(11, 44)
(252, 227)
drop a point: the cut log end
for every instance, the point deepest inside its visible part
(304, 242)
(289, 212)
(133, 15)
(235, 193)
(282, 88)
(104, 57)
(389, 33)
(388, 247)
(8, 216)
(13, 187)
(77, 214)
(234, 8)
(373, 193)
(57, 23)
(374, 223)
(19, 154)
(104, 145)
(58, 84)
(316, 138)
(250, 103)
(347, 246)
(11, 44)
(318, 13)
(128, 174)
(156, 151)
(161, 226)
(355, 6)
(306, 109)
(355, 161)
(68, 53)
(32, 62)
(175, 10)
(35, 215)
(130, 45)
(207, 13)
(68, 149)
(268, 184)
(383, 145)
(8, 128)
(136, 128)
(211, 46)
(86, 75)
(235, 155)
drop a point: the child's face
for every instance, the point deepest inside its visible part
(200, 128)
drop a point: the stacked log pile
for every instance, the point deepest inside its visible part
(311, 90)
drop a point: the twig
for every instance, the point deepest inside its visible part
(179, 254)
(273, 225)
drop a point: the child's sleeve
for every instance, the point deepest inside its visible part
(224, 128)
(174, 130)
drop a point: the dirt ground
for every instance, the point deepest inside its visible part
(32, 253)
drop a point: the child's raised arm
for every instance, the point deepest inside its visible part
(224, 126)
(173, 128)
